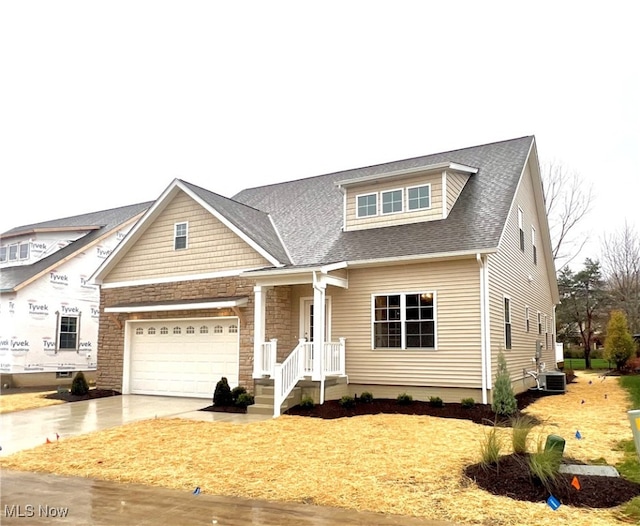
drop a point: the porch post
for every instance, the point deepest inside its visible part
(319, 296)
(259, 310)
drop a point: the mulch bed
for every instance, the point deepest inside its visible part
(479, 413)
(512, 478)
(224, 409)
(92, 394)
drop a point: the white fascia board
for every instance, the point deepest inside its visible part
(181, 306)
(420, 257)
(408, 171)
(220, 217)
(175, 279)
(133, 234)
(333, 266)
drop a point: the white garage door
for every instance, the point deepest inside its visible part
(183, 358)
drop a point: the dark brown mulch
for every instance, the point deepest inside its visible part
(512, 478)
(92, 394)
(224, 409)
(480, 413)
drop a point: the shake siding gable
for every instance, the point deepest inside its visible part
(455, 362)
(432, 213)
(513, 273)
(212, 246)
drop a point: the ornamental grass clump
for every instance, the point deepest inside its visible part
(521, 426)
(544, 464)
(490, 448)
(504, 400)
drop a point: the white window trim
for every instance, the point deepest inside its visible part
(533, 245)
(186, 234)
(28, 245)
(527, 322)
(422, 208)
(546, 331)
(9, 258)
(382, 192)
(506, 322)
(539, 320)
(59, 317)
(521, 240)
(403, 320)
(6, 254)
(358, 216)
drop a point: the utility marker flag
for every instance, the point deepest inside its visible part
(578, 435)
(196, 491)
(576, 483)
(553, 503)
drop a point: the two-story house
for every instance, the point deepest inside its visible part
(49, 310)
(409, 276)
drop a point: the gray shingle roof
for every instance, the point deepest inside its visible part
(254, 223)
(308, 212)
(105, 220)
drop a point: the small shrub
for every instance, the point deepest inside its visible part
(504, 401)
(366, 397)
(236, 392)
(468, 403)
(222, 394)
(521, 426)
(436, 401)
(79, 386)
(347, 402)
(245, 399)
(545, 464)
(307, 402)
(490, 448)
(404, 399)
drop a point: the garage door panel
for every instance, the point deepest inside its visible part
(186, 364)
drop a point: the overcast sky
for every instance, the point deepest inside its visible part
(103, 104)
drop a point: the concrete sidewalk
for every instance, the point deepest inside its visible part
(39, 499)
(29, 428)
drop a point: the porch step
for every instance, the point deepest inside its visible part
(264, 400)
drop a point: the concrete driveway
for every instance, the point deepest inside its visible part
(26, 429)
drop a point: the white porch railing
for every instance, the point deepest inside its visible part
(267, 360)
(299, 364)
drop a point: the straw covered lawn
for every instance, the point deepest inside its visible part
(20, 401)
(410, 465)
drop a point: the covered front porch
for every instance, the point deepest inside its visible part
(315, 355)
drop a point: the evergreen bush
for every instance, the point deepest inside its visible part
(436, 401)
(222, 394)
(468, 403)
(236, 392)
(347, 402)
(79, 386)
(307, 402)
(504, 401)
(404, 399)
(245, 399)
(366, 397)
(618, 345)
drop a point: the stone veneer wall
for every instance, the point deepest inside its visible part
(111, 330)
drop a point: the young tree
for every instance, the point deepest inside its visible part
(583, 302)
(567, 201)
(621, 265)
(504, 401)
(619, 344)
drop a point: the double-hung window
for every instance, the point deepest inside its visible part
(404, 321)
(526, 319)
(13, 252)
(533, 246)
(3, 254)
(507, 323)
(68, 329)
(367, 205)
(521, 227)
(539, 323)
(180, 236)
(419, 197)
(391, 201)
(24, 251)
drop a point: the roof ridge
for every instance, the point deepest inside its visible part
(387, 162)
(223, 197)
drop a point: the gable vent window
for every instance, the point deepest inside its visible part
(233, 329)
(392, 201)
(367, 205)
(180, 236)
(419, 197)
(521, 227)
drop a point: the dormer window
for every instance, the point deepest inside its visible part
(3, 254)
(367, 205)
(180, 236)
(419, 197)
(391, 201)
(24, 250)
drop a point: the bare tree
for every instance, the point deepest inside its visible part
(621, 265)
(567, 201)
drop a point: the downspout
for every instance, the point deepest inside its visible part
(483, 329)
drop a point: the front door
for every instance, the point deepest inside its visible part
(306, 323)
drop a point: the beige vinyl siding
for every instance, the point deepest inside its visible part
(509, 271)
(430, 214)
(455, 184)
(455, 362)
(212, 246)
